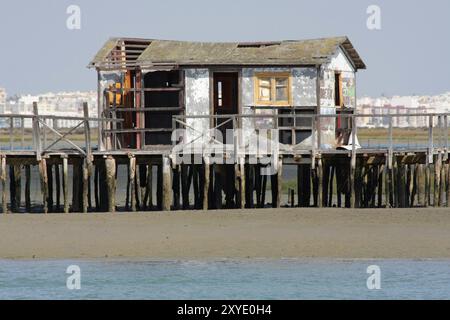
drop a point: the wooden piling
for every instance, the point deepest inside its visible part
(427, 185)
(148, 197)
(447, 175)
(279, 181)
(325, 181)
(27, 188)
(437, 180)
(242, 181)
(66, 184)
(176, 186)
(167, 184)
(250, 179)
(58, 187)
(110, 164)
(414, 189)
(44, 183)
(206, 184)
(421, 185)
(3, 179)
(77, 186)
(50, 187)
(352, 190)
(15, 187)
(132, 181)
(137, 185)
(331, 184)
(319, 175)
(442, 191)
(380, 185)
(85, 186)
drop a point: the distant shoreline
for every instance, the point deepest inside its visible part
(230, 234)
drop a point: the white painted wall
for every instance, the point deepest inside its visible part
(197, 100)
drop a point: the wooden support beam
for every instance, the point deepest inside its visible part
(442, 182)
(387, 186)
(85, 185)
(66, 183)
(196, 186)
(186, 177)
(27, 188)
(447, 179)
(50, 187)
(279, 181)
(427, 185)
(325, 182)
(258, 183)
(206, 183)
(352, 191)
(15, 184)
(300, 187)
(137, 183)
(241, 162)
(250, 179)
(132, 181)
(3, 179)
(176, 187)
(237, 184)
(58, 186)
(331, 185)
(159, 182)
(421, 199)
(110, 164)
(437, 180)
(77, 186)
(148, 197)
(380, 178)
(44, 183)
(167, 183)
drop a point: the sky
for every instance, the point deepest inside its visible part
(409, 55)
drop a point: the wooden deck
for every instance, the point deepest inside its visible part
(326, 177)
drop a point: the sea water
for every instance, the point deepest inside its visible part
(226, 279)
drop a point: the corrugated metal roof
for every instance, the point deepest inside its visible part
(288, 52)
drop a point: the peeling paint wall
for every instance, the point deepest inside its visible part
(340, 63)
(303, 91)
(304, 87)
(197, 100)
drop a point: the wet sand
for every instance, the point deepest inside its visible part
(262, 233)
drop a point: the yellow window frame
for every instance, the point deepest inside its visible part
(272, 76)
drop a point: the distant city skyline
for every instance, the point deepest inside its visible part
(70, 103)
(408, 55)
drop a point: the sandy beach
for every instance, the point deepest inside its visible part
(263, 233)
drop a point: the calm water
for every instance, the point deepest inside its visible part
(252, 279)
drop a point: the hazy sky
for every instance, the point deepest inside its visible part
(409, 55)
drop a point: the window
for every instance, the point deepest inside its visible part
(272, 89)
(219, 93)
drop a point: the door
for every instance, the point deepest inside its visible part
(225, 99)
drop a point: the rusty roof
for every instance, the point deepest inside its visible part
(180, 53)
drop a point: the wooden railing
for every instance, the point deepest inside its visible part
(39, 138)
(436, 126)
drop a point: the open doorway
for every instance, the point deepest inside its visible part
(225, 98)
